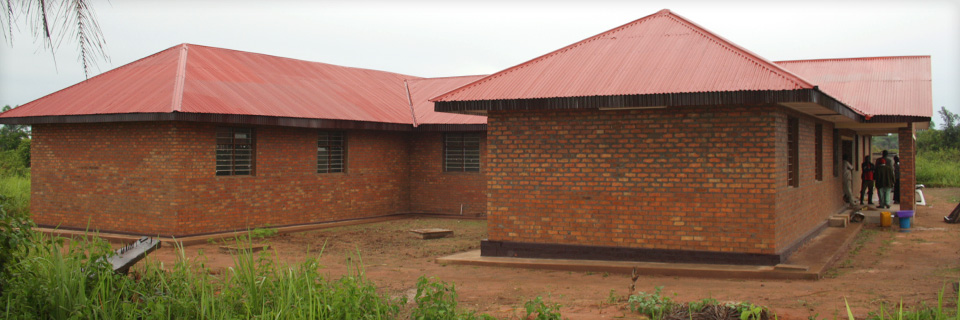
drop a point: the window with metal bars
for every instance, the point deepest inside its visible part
(793, 152)
(461, 152)
(331, 152)
(235, 155)
(819, 151)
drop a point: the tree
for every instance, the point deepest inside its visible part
(951, 129)
(14, 147)
(55, 22)
(946, 138)
(12, 135)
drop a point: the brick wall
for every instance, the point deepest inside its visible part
(908, 167)
(104, 176)
(692, 178)
(286, 188)
(434, 191)
(801, 209)
(158, 178)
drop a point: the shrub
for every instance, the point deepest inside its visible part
(437, 300)
(540, 310)
(260, 233)
(16, 233)
(653, 305)
(658, 307)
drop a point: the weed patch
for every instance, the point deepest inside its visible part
(656, 306)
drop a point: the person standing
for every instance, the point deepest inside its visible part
(883, 155)
(885, 177)
(866, 180)
(896, 182)
(847, 180)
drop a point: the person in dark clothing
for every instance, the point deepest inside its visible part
(884, 182)
(883, 155)
(866, 180)
(896, 182)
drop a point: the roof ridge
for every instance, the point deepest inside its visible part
(413, 113)
(180, 78)
(550, 54)
(856, 58)
(772, 66)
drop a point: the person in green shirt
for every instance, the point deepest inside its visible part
(885, 181)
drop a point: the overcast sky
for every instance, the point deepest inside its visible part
(451, 38)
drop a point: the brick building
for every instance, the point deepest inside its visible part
(195, 140)
(657, 140)
(661, 141)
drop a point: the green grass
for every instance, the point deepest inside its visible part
(16, 190)
(57, 280)
(939, 168)
(921, 312)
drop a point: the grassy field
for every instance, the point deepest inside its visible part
(939, 168)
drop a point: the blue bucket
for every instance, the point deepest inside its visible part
(905, 217)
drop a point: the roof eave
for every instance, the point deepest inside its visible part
(760, 97)
(233, 119)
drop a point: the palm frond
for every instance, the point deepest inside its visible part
(54, 22)
(80, 26)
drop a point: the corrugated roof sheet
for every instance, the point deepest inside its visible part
(421, 90)
(659, 53)
(198, 79)
(899, 86)
(234, 82)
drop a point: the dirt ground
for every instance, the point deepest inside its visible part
(883, 266)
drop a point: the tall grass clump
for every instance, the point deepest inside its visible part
(58, 280)
(939, 168)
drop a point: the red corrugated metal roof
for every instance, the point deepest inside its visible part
(899, 86)
(659, 53)
(421, 90)
(198, 79)
(142, 86)
(234, 82)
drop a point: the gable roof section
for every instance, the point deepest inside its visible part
(878, 86)
(199, 83)
(421, 90)
(657, 54)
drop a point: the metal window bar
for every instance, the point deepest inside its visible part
(234, 151)
(462, 152)
(331, 154)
